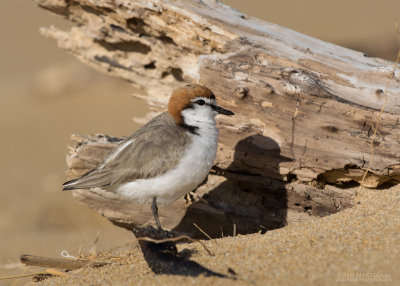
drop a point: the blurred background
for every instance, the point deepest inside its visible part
(46, 95)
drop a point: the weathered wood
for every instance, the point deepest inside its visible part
(304, 108)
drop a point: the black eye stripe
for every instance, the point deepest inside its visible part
(200, 102)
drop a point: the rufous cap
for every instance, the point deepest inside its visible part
(182, 97)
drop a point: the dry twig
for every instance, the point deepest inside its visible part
(59, 263)
(378, 120)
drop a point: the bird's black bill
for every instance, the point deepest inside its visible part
(221, 110)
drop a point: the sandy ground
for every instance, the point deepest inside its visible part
(356, 246)
(46, 95)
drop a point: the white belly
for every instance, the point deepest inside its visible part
(191, 171)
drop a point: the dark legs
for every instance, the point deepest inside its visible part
(154, 209)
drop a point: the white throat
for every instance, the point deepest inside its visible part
(199, 116)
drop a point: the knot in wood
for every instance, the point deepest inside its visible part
(378, 92)
(241, 91)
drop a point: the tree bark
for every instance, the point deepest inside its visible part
(305, 110)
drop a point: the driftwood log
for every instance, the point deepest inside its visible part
(305, 110)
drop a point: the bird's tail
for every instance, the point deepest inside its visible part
(70, 185)
(77, 183)
(91, 179)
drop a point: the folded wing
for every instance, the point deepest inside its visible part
(149, 152)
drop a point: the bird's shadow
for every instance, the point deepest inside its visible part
(253, 198)
(164, 258)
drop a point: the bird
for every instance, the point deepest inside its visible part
(170, 156)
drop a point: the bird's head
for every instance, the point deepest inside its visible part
(194, 103)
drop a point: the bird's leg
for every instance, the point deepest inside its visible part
(154, 209)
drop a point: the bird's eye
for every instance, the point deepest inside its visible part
(200, 102)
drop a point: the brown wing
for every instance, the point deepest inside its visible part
(151, 151)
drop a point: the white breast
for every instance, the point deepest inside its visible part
(191, 171)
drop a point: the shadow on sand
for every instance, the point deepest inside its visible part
(163, 258)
